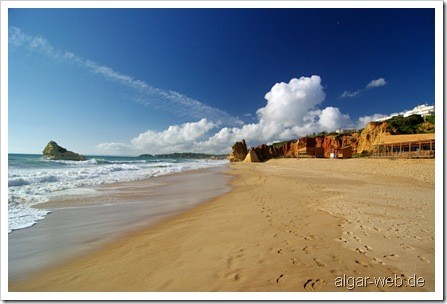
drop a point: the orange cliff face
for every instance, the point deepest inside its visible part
(372, 134)
(359, 142)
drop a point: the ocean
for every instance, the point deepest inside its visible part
(33, 180)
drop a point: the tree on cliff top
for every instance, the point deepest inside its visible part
(405, 125)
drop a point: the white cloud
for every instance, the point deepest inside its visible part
(364, 120)
(114, 148)
(291, 112)
(288, 103)
(347, 94)
(174, 139)
(332, 119)
(146, 94)
(372, 84)
(376, 83)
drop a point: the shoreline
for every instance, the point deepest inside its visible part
(82, 222)
(287, 225)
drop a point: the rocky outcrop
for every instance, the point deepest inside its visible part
(251, 157)
(56, 152)
(266, 152)
(371, 135)
(322, 145)
(239, 152)
(330, 144)
(304, 144)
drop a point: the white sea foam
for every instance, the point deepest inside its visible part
(31, 185)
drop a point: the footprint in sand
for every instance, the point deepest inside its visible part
(307, 249)
(423, 259)
(281, 279)
(295, 262)
(313, 284)
(368, 248)
(362, 263)
(234, 275)
(406, 246)
(392, 256)
(360, 250)
(379, 261)
(337, 272)
(280, 251)
(336, 258)
(320, 262)
(342, 240)
(308, 238)
(357, 239)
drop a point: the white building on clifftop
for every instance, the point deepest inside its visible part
(423, 110)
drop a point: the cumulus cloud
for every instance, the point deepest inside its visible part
(332, 119)
(286, 114)
(292, 111)
(177, 138)
(288, 103)
(372, 84)
(376, 83)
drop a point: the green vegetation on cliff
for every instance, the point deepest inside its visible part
(412, 124)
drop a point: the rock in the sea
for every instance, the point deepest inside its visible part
(251, 157)
(239, 152)
(54, 151)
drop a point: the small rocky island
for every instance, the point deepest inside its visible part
(55, 152)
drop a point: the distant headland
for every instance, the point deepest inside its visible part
(186, 155)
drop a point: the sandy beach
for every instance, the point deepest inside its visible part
(287, 225)
(83, 221)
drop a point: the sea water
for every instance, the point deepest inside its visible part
(32, 179)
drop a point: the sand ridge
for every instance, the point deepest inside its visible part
(288, 225)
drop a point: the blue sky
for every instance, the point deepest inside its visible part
(131, 81)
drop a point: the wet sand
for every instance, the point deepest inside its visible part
(82, 221)
(287, 225)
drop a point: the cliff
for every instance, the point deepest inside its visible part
(55, 152)
(239, 152)
(323, 144)
(251, 157)
(316, 146)
(372, 134)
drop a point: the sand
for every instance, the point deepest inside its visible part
(85, 219)
(287, 225)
